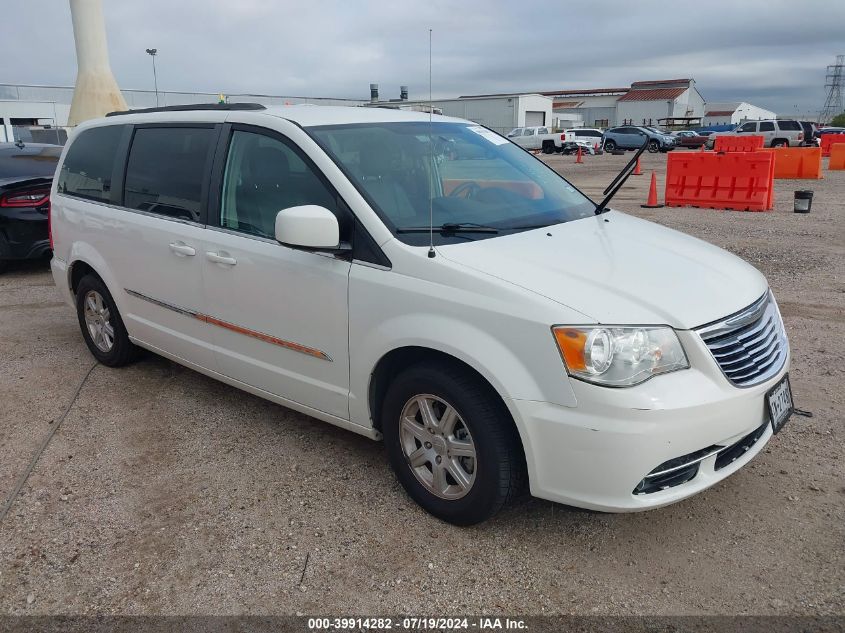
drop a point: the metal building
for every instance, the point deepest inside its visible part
(501, 112)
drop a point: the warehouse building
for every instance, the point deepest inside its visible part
(596, 107)
(499, 112)
(668, 103)
(734, 113)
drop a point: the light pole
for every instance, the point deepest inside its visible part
(152, 53)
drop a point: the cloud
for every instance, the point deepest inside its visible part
(771, 52)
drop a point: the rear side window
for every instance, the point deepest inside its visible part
(166, 169)
(87, 169)
(791, 126)
(767, 126)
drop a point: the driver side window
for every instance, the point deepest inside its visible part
(262, 176)
(749, 127)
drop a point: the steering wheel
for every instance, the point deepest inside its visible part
(465, 189)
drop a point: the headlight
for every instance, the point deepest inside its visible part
(619, 356)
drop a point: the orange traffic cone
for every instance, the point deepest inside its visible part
(637, 170)
(579, 159)
(652, 195)
(596, 147)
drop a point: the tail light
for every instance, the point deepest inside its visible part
(563, 137)
(26, 198)
(800, 136)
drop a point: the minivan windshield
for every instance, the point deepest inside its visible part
(471, 177)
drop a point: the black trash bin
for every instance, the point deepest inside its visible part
(803, 201)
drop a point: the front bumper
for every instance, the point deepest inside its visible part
(594, 455)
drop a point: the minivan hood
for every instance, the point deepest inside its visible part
(618, 269)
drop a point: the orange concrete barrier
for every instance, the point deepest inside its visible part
(837, 156)
(828, 140)
(797, 162)
(738, 143)
(743, 181)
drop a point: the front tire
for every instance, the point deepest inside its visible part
(653, 147)
(102, 328)
(609, 146)
(452, 443)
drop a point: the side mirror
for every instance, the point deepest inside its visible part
(309, 227)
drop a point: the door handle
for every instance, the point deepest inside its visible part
(219, 258)
(182, 249)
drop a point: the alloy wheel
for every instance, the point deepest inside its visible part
(438, 446)
(98, 321)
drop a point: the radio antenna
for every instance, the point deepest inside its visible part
(431, 152)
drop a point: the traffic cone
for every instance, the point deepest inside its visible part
(579, 159)
(652, 195)
(596, 147)
(637, 170)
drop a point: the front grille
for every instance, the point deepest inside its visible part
(750, 346)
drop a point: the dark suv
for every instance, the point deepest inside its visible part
(26, 173)
(633, 137)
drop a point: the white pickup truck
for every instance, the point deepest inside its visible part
(543, 138)
(539, 137)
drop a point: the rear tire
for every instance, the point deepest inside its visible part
(548, 147)
(779, 142)
(466, 453)
(102, 328)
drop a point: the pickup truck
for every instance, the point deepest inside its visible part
(539, 137)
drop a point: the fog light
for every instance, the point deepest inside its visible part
(803, 201)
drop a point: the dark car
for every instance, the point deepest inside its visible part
(26, 174)
(688, 138)
(633, 137)
(811, 139)
(829, 130)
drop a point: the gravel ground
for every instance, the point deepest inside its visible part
(165, 492)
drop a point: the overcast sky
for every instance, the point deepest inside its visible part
(771, 53)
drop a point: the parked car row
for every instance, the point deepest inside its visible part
(633, 137)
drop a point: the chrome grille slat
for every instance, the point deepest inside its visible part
(746, 351)
(750, 346)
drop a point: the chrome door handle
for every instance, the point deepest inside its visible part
(218, 258)
(182, 249)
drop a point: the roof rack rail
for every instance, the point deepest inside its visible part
(193, 106)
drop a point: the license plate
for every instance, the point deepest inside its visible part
(779, 403)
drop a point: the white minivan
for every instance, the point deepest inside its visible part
(428, 283)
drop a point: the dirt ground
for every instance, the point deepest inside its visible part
(165, 492)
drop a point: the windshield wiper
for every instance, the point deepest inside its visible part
(620, 179)
(450, 227)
